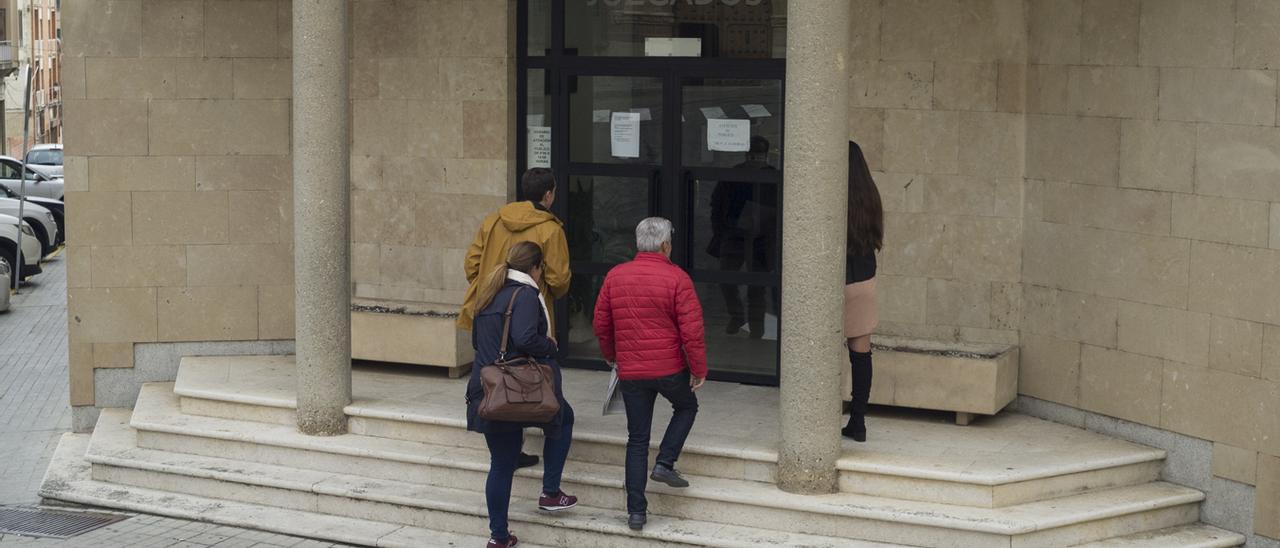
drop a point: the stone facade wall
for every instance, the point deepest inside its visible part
(433, 105)
(1151, 259)
(179, 179)
(936, 102)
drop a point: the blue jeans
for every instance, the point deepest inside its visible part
(639, 397)
(504, 452)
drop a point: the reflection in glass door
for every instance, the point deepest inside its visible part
(732, 164)
(695, 138)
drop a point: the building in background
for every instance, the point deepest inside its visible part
(32, 36)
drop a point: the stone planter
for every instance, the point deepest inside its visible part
(412, 333)
(968, 379)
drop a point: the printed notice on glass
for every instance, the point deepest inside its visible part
(539, 146)
(645, 115)
(729, 135)
(624, 135)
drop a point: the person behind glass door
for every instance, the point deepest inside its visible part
(744, 232)
(865, 236)
(649, 322)
(520, 275)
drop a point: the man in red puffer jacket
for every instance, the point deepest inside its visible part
(649, 323)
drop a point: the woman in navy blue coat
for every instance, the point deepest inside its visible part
(520, 277)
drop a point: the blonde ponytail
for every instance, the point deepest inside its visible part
(523, 256)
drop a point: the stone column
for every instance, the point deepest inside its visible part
(813, 242)
(321, 199)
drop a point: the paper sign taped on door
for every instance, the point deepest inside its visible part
(539, 148)
(624, 135)
(729, 135)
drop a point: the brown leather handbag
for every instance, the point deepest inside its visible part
(517, 389)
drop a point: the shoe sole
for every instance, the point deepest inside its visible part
(556, 508)
(668, 483)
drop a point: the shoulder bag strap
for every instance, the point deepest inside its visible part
(506, 324)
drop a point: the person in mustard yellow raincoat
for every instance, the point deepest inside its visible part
(530, 221)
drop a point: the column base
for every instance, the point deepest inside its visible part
(319, 424)
(806, 478)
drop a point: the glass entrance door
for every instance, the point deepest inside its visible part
(696, 139)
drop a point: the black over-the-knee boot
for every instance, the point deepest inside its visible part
(857, 427)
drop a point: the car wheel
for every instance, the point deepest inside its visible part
(46, 246)
(6, 255)
(5, 266)
(62, 229)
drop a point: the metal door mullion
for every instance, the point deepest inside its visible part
(674, 193)
(588, 169)
(619, 69)
(737, 174)
(541, 62)
(591, 267)
(777, 250)
(699, 67)
(522, 89)
(762, 279)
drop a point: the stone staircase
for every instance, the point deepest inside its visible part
(220, 447)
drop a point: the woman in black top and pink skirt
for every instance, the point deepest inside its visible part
(866, 233)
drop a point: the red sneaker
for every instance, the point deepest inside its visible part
(511, 541)
(556, 501)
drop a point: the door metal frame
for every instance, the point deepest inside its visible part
(671, 189)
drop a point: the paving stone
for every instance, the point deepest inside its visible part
(34, 413)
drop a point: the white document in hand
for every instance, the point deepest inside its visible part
(613, 404)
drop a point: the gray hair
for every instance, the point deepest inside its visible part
(652, 232)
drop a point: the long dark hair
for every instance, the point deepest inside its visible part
(866, 215)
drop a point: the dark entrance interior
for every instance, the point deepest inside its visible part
(669, 108)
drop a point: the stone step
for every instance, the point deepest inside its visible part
(69, 480)
(1196, 535)
(160, 426)
(421, 506)
(713, 502)
(247, 390)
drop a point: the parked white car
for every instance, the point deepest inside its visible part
(9, 227)
(54, 206)
(42, 222)
(47, 159)
(38, 184)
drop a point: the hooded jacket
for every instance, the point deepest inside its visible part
(517, 222)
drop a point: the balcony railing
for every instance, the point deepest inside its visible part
(8, 54)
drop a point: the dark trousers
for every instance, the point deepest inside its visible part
(639, 397)
(754, 311)
(504, 452)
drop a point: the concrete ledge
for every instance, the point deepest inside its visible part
(967, 379)
(411, 333)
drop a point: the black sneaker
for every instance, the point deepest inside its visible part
(636, 521)
(668, 476)
(526, 460)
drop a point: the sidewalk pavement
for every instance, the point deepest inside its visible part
(35, 411)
